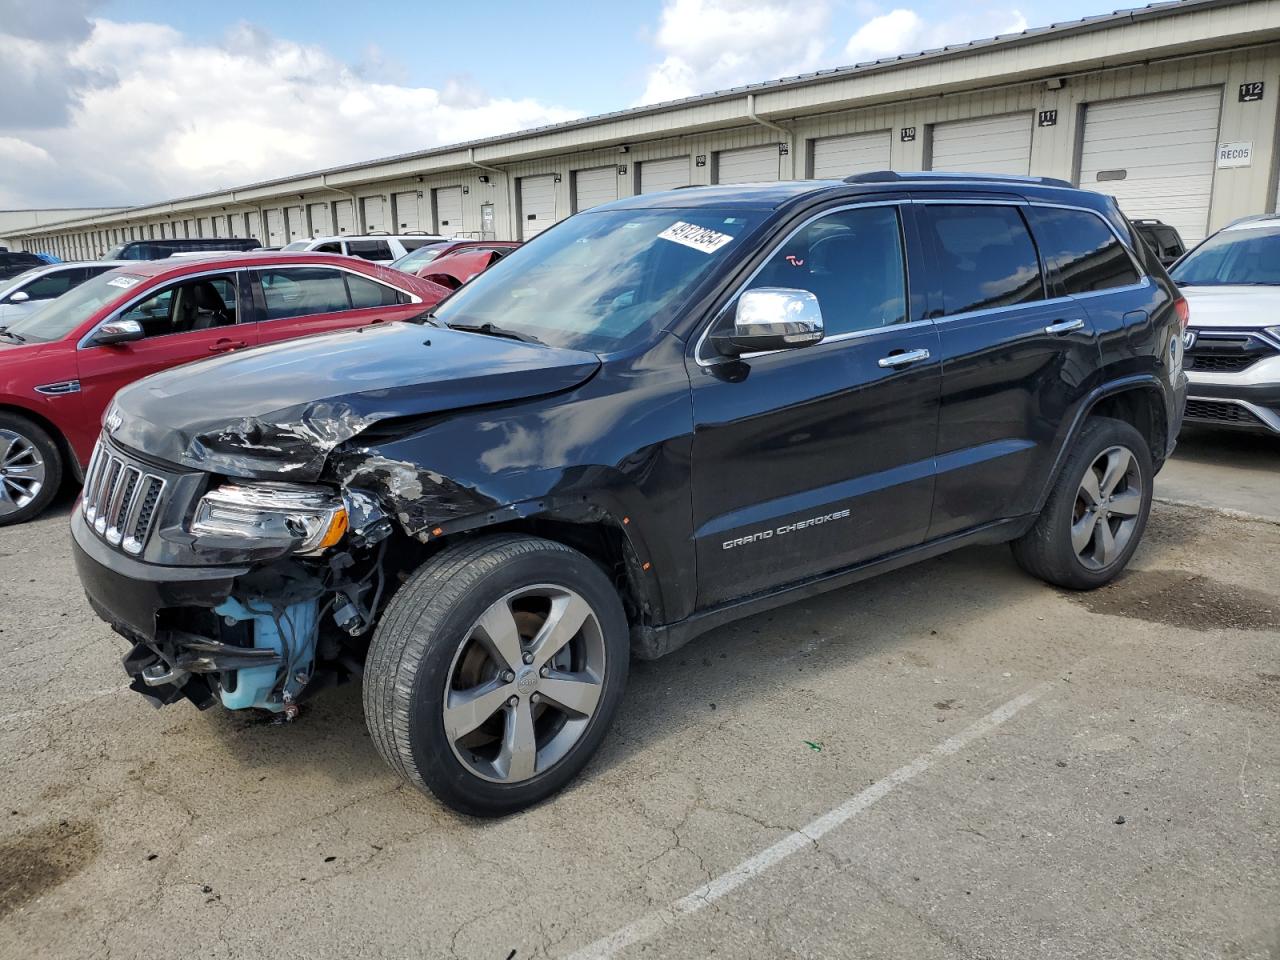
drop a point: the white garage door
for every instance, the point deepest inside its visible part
(375, 217)
(344, 216)
(295, 221)
(254, 225)
(537, 205)
(986, 145)
(594, 187)
(407, 217)
(748, 165)
(275, 228)
(835, 158)
(448, 210)
(206, 226)
(318, 219)
(1155, 155)
(666, 174)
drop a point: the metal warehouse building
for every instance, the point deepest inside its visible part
(1171, 108)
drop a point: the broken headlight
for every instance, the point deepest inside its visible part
(314, 517)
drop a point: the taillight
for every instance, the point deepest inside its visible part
(1183, 310)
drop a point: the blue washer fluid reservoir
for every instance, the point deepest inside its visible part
(253, 686)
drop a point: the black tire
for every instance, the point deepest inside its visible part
(14, 425)
(411, 663)
(1046, 550)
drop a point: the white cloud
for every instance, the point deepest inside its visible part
(906, 31)
(152, 114)
(713, 44)
(710, 45)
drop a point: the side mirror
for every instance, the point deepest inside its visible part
(118, 331)
(20, 297)
(771, 318)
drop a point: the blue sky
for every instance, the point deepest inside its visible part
(422, 43)
(132, 101)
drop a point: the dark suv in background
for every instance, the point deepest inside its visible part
(660, 415)
(161, 249)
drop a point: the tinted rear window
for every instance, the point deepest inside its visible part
(985, 255)
(369, 249)
(1085, 251)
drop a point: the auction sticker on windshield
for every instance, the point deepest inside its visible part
(692, 235)
(124, 283)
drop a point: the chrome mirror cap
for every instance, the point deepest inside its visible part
(118, 331)
(772, 318)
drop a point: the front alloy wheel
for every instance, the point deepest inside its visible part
(524, 683)
(495, 672)
(30, 469)
(22, 472)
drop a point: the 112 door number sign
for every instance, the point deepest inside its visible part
(1251, 92)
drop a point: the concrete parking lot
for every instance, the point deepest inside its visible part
(954, 761)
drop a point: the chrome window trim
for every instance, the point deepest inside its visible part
(835, 338)
(84, 341)
(413, 297)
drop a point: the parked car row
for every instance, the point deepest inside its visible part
(60, 365)
(661, 414)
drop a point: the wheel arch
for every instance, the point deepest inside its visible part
(69, 458)
(1137, 400)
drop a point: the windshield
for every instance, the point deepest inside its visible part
(297, 245)
(602, 279)
(423, 254)
(1249, 256)
(19, 280)
(114, 252)
(59, 317)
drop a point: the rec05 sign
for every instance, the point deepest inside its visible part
(1238, 154)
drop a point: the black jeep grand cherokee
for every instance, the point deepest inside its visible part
(660, 415)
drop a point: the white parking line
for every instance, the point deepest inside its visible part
(652, 923)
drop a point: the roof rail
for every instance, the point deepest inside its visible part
(891, 176)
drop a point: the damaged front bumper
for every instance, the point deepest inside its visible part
(168, 663)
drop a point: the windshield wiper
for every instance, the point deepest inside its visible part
(490, 330)
(15, 337)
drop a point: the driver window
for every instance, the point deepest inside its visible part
(198, 304)
(852, 261)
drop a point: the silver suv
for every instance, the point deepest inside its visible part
(1232, 356)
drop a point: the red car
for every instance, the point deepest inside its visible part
(454, 269)
(60, 366)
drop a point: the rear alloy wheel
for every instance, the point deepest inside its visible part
(495, 671)
(1096, 513)
(30, 469)
(1107, 507)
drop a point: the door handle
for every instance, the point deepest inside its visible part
(1064, 326)
(222, 346)
(904, 358)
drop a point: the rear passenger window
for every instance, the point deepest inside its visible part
(368, 293)
(369, 249)
(1085, 252)
(303, 291)
(986, 256)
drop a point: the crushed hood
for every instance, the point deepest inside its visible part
(276, 412)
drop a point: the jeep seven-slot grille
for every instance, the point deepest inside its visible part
(120, 500)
